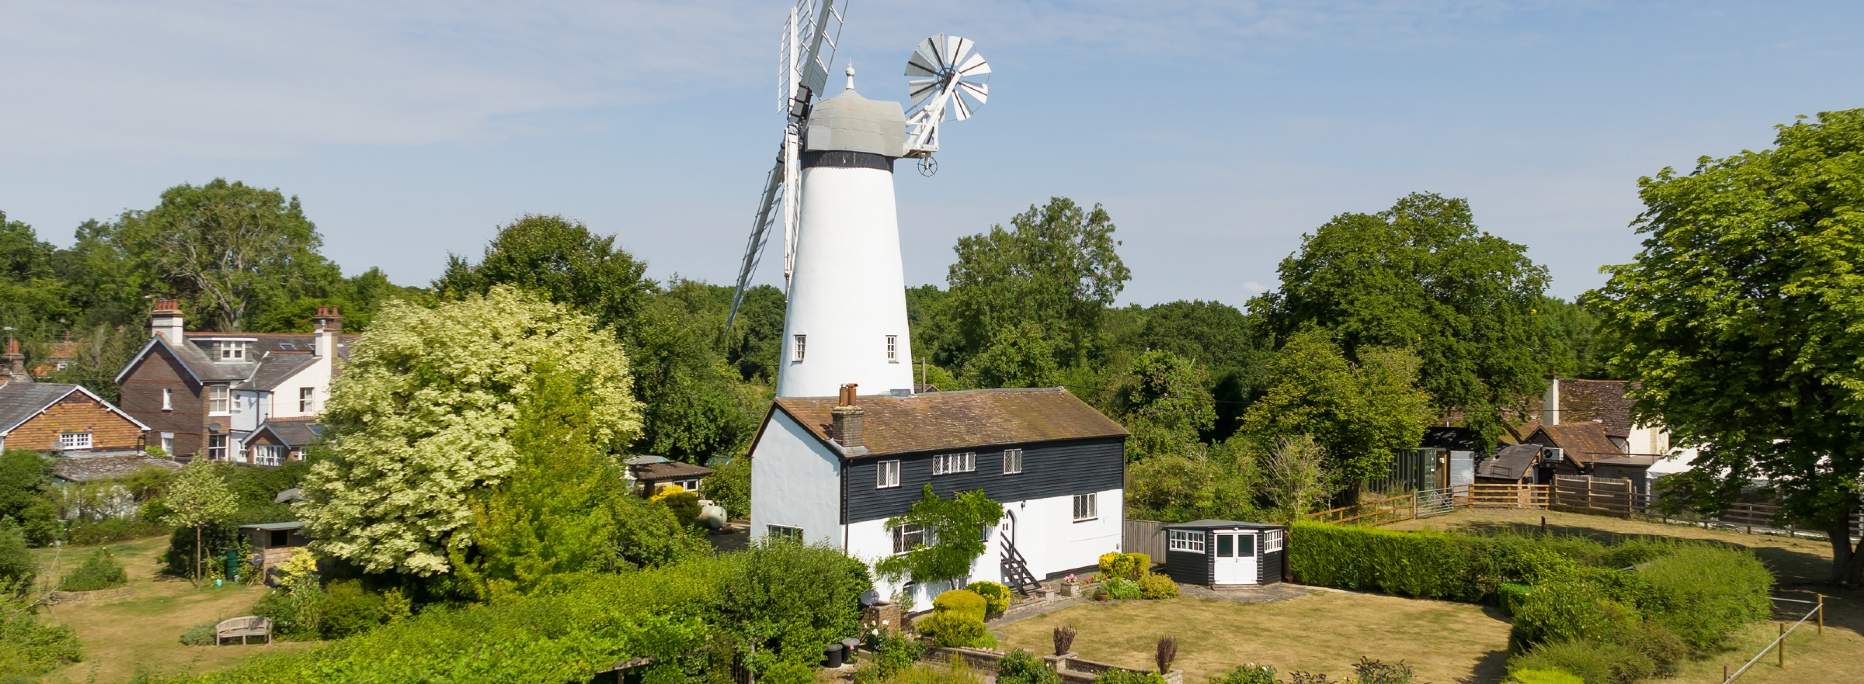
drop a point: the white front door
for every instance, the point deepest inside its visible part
(1235, 558)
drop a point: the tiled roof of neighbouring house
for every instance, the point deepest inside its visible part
(1510, 463)
(969, 419)
(20, 401)
(667, 470)
(1604, 401)
(293, 432)
(1583, 442)
(90, 468)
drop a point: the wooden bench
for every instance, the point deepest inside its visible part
(243, 628)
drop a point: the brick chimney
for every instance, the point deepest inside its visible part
(165, 321)
(14, 362)
(328, 324)
(847, 415)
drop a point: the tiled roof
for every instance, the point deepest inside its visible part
(89, 468)
(939, 421)
(1597, 400)
(278, 367)
(274, 357)
(667, 470)
(293, 432)
(1583, 442)
(20, 401)
(1509, 463)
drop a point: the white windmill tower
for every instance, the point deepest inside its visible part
(832, 186)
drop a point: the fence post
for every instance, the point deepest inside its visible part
(1588, 493)
(1821, 612)
(1782, 647)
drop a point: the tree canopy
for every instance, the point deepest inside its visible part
(1057, 265)
(1740, 321)
(1421, 275)
(1360, 414)
(421, 420)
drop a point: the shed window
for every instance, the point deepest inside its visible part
(946, 464)
(784, 532)
(801, 342)
(1190, 541)
(1012, 461)
(74, 440)
(1086, 507)
(907, 537)
(280, 538)
(1271, 541)
(887, 474)
(168, 399)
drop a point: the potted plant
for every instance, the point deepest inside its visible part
(1070, 585)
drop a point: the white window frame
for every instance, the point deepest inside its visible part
(307, 399)
(220, 396)
(168, 399)
(1271, 541)
(231, 350)
(893, 349)
(801, 345)
(168, 444)
(948, 464)
(887, 475)
(225, 442)
(1012, 461)
(68, 441)
(268, 454)
(691, 485)
(907, 537)
(1188, 541)
(1087, 507)
(784, 532)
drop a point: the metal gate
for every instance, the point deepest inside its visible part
(1431, 502)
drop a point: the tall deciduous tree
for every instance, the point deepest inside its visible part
(32, 297)
(1360, 414)
(1020, 355)
(564, 261)
(1421, 275)
(1165, 401)
(421, 420)
(227, 249)
(197, 497)
(1743, 321)
(1057, 264)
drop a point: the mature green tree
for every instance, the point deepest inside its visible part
(1360, 414)
(1421, 275)
(564, 506)
(1057, 265)
(421, 420)
(1215, 482)
(1164, 400)
(358, 297)
(954, 530)
(25, 495)
(1580, 348)
(563, 260)
(696, 406)
(1743, 321)
(198, 497)
(32, 297)
(1295, 476)
(106, 286)
(228, 250)
(1230, 343)
(1019, 355)
(756, 338)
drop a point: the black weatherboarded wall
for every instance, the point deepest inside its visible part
(1049, 469)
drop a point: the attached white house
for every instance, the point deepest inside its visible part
(832, 470)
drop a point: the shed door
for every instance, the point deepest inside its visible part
(1235, 557)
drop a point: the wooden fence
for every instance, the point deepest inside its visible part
(1143, 536)
(1595, 495)
(1496, 495)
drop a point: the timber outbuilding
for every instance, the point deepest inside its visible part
(1218, 553)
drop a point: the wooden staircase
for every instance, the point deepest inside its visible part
(1016, 571)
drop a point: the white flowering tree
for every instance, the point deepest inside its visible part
(420, 415)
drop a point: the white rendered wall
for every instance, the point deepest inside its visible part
(795, 482)
(1046, 535)
(847, 292)
(285, 398)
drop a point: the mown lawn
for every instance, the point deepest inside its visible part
(1323, 632)
(1799, 566)
(141, 633)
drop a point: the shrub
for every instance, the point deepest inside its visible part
(1593, 662)
(1704, 593)
(955, 672)
(1023, 667)
(200, 635)
(996, 597)
(1568, 610)
(108, 530)
(1247, 674)
(296, 610)
(1063, 639)
(28, 647)
(684, 504)
(1121, 588)
(348, 610)
(1118, 676)
(950, 628)
(896, 654)
(100, 570)
(1125, 565)
(1547, 675)
(786, 601)
(1371, 671)
(1510, 596)
(1154, 585)
(16, 566)
(961, 601)
(788, 672)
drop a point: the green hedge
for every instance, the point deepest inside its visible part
(1704, 594)
(1438, 565)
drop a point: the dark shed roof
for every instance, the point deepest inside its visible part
(939, 421)
(1583, 442)
(668, 470)
(1510, 463)
(1224, 525)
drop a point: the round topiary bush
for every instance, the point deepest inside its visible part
(963, 601)
(996, 597)
(1156, 586)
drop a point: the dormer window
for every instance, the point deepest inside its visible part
(231, 350)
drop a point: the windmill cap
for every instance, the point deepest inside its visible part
(851, 123)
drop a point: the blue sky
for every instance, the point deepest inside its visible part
(1215, 133)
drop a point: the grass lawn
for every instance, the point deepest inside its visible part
(1324, 632)
(141, 632)
(1799, 565)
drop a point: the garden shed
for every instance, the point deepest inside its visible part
(1219, 553)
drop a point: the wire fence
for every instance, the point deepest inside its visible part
(1778, 645)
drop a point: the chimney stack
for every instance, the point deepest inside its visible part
(15, 363)
(165, 321)
(328, 326)
(847, 416)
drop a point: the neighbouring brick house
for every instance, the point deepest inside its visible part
(65, 420)
(282, 439)
(205, 394)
